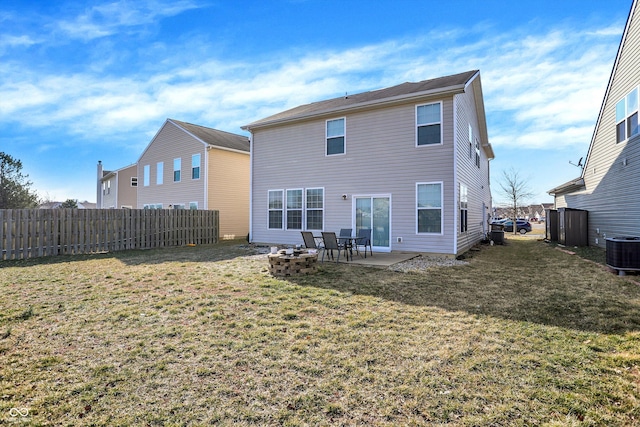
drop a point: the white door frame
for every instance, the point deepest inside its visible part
(353, 217)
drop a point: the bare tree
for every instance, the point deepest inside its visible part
(516, 190)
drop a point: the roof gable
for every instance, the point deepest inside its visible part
(208, 136)
(407, 90)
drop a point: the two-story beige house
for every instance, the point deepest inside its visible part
(410, 162)
(117, 189)
(187, 166)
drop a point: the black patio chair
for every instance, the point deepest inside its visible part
(364, 239)
(309, 240)
(331, 243)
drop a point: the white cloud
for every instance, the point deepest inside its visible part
(108, 19)
(541, 91)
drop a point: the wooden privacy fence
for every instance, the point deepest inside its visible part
(29, 233)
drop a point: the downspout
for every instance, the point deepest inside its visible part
(456, 192)
(99, 186)
(250, 187)
(206, 177)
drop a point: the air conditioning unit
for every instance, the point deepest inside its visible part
(623, 253)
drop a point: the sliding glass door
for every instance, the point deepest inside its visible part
(374, 212)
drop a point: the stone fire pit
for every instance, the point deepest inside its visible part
(298, 263)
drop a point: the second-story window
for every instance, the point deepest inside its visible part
(428, 124)
(335, 137)
(177, 166)
(159, 173)
(195, 166)
(627, 116)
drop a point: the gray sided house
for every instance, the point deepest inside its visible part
(117, 189)
(411, 162)
(608, 187)
(186, 166)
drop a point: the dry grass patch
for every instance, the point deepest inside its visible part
(204, 336)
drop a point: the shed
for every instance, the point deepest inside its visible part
(572, 227)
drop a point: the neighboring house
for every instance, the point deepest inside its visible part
(608, 188)
(117, 189)
(186, 166)
(410, 162)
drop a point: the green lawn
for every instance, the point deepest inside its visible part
(523, 335)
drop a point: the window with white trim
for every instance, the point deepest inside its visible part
(134, 181)
(152, 206)
(276, 206)
(428, 124)
(177, 166)
(145, 179)
(464, 208)
(193, 206)
(470, 141)
(315, 208)
(195, 166)
(335, 137)
(477, 153)
(294, 209)
(429, 208)
(159, 173)
(627, 116)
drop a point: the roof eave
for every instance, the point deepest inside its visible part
(447, 91)
(568, 187)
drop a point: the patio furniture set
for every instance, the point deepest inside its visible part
(329, 241)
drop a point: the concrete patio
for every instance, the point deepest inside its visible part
(379, 259)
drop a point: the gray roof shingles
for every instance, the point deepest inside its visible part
(407, 88)
(214, 137)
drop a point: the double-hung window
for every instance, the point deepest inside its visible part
(195, 166)
(627, 116)
(477, 153)
(145, 175)
(429, 124)
(470, 141)
(177, 166)
(159, 173)
(335, 137)
(276, 205)
(294, 209)
(315, 208)
(429, 207)
(464, 208)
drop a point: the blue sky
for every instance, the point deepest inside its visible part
(82, 81)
